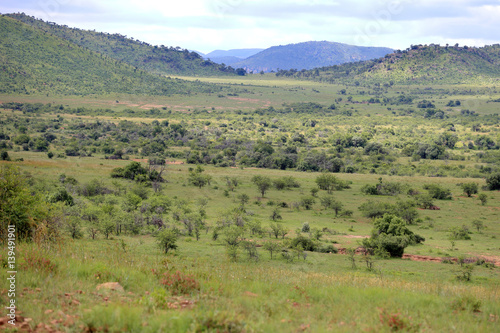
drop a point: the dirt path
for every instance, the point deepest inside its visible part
(491, 259)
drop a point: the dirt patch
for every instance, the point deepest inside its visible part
(354, 236)
(145, 160)
(151, 106)
(415, 257)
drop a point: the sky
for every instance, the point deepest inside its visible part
(207, 25)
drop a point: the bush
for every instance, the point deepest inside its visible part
(390, 235)
(167, 239)
(306, 243)
(437, 192)
(469, 188)
(459, 233)
(308, 202)
(383, 188)
(179, 283)
(493, 182)
(374, 209)
(328, 249)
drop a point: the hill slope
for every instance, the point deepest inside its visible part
(418, 64)
(309, 55)
(156, 59)
(32, 61)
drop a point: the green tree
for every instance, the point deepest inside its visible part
(478, 224)
(330, 183)
(493, 182)
(483, 198)
(470, 188)
(167, 239)
(308, 202)
(272, 247)
(263, 183)
(21, 208)
(390, 236)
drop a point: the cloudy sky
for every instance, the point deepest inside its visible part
(206, 25)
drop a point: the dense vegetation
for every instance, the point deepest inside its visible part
(418, 64)
(301, 136)
(35, 62)
(152, 58)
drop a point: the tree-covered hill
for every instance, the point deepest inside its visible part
(309, 55)
(34, 61)
(418, 64)
(156, 59)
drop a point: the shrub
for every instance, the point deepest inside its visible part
(308, 202)
(483, 198)
(383, 188)
(460, 233)
(374, 209)
(391, 235)
(179, 283)
(306, 243)
(36, 260)
(61, 195)
(469, 188)
(167, 239)
(438, 192)
(493, 182)
(305, 227)
(330, 183)
(466, 303)
(327, 249)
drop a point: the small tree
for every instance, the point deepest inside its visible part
(330, 183)
(337, 207)
(243, 198)
(272, 247)
(478, 224)
(483, 198)
(351, 256)
(167, 239)
(232, 240)
(470, 188)
(308, 202)
(276, 215)
(263, 183)
(251, 249)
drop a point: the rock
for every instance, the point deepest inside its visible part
(110, 286)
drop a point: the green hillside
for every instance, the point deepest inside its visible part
(418, 64)
(156, 59)
(33, 61)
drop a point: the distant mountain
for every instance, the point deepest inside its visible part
(155, 59)
(309, 55)
(34, 62)
(238, 53)
(228, 61)
(418, 64)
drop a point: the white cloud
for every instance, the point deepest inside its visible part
(205, 25)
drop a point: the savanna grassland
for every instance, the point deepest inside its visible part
(274, 205)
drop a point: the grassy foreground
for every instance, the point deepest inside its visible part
(208, 293)
(198, 289)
